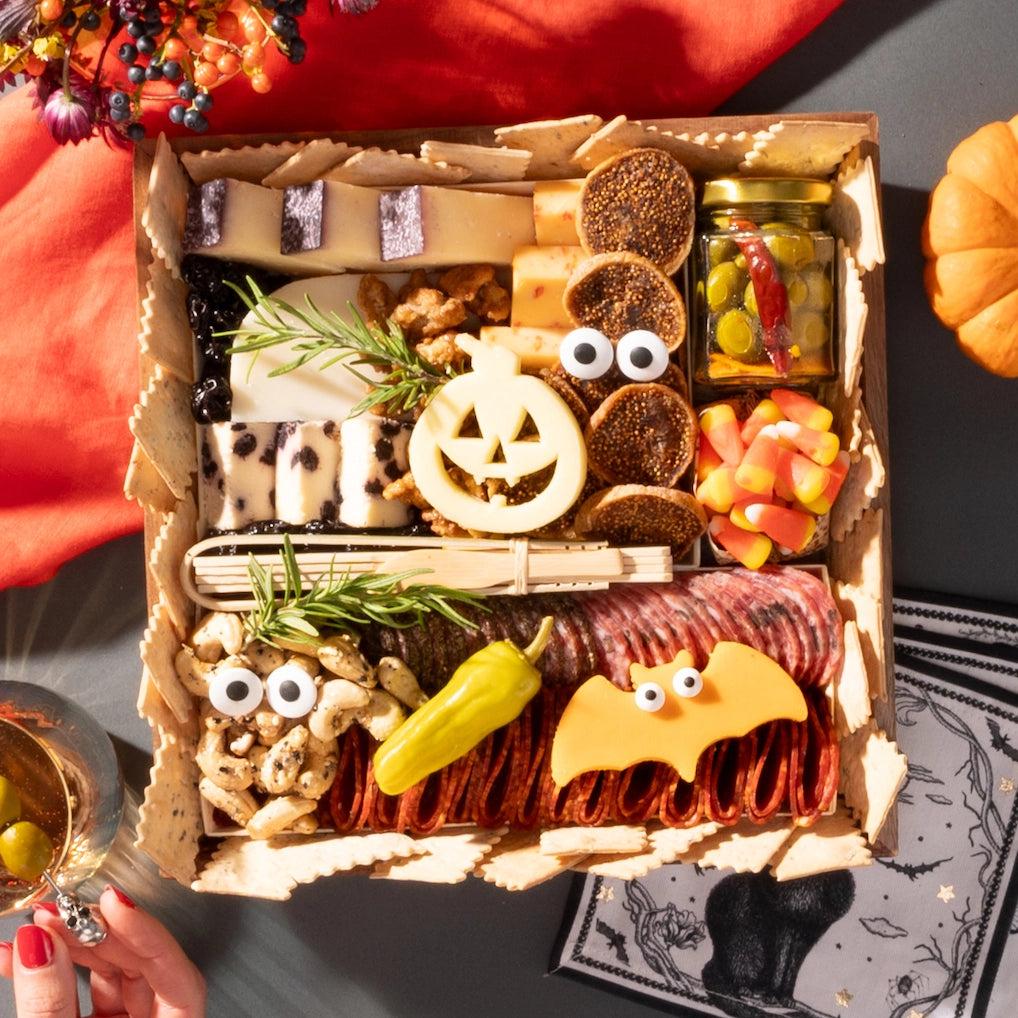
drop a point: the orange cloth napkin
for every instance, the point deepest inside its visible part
(68, 376)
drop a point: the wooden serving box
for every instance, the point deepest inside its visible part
(857, 562)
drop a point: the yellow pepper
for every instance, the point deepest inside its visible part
(487, 691)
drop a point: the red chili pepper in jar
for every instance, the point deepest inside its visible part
(771, 295)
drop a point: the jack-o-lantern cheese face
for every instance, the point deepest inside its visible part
(509, 434)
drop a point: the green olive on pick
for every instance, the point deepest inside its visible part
(26, 850)
(10, 802)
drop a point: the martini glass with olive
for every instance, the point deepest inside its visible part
(61, 795)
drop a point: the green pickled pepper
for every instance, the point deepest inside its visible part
(486, 691)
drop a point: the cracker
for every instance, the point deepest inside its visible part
(448, 857)
(744, 849)
(165, 332)
(852, 705)
(250, 163)
(614, 839)
(145, 484)
(550, 142)
(169, 820)
(162, 423)
(866, 478)
(375, 167)
(518, 863)
(855, 212)
(802, 148)
(666, 845)
(151, 705)
(484, 162)
(272, 868)
(853, 312)
(176, 535)
(309, 163)
(872, 771)
(833, 843)
(159, 646)
(166, 205)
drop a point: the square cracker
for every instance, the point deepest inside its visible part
(447, 857)
(273, 867)
(667, 845)
(518, 863)
(375, 167)
(550, 142)
(855, 212)
(145, 484)
(613, 839)
(166, 205)
(747, 848)
(852, 707)
(176, 535)
(833, 843)
(310, 162)
(250, 163)
(484, 162)
(802, 148)
(165, 332)
(162, 423)
(872, 771)
(159, 646)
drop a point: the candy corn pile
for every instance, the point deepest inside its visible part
(765, 481)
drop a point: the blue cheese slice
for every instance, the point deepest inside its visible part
(238, 474)
(374, 454)
(307, 471)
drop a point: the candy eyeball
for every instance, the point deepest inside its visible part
(291, 691)
(642, 356)
(687, 682)
(650, 697)
(235, 692)
(586, 354)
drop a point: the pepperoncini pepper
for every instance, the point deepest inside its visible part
(486, 691)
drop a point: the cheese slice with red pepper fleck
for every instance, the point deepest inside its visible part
(555, 211)
(540, 275)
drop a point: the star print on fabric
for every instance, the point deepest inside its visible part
(1007, 784)
(843, 998)
(946, 893)
(605, 893)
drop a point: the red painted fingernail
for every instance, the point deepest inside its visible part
(35, 946)
(121, 897)
(46, 906)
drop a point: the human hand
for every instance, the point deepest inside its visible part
(138, 971)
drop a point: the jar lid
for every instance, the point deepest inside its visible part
(740, 190)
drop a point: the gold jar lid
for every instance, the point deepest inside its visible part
(748, 190)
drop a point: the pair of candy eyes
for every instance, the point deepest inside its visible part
(588, 354)
(237, 692)
(687, 683)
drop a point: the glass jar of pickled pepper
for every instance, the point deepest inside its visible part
(764, 294)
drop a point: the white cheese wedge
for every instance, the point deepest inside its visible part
(308, 393)
(238, 474)
(374, 454)
(540, 275)
(555, 211)
(307, 471)
(336, 226)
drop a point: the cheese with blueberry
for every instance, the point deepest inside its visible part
(308, 458)
(238, 473)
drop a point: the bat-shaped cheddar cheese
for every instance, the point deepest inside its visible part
(674, 714)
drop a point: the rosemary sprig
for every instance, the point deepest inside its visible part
(344, 602)
(407, 379)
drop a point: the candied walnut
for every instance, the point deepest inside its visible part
(492, 303)
(404, 489)
(428, 312)
(376, 299)
(442, 527)
(442, 350)
(480, 292)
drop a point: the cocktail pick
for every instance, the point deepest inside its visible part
(83, 920)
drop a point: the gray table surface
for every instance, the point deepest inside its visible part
(933, 71)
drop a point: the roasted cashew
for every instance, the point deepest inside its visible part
(339, 655)
(284, 760)
(218, 633)
(226, 770)
(394, 675)
(338, 699)
(382, 715)
(239, 805)
(278, 814)
(320, 763)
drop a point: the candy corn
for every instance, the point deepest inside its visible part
(764, 413)
(836, 474)
(720, 490)
(707, 458)
(789, 528)
(758, 467)
(751, 549)
(798, 478)
(803, 409)
(719, 423)
(819, 446)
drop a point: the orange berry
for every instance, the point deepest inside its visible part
(34, 65)
(175, 48)
(51, 10)
(228, 63)
(205, 74)
(227, 25)
(212, 51)
(254, 30)
(254, 55)
(261, 82)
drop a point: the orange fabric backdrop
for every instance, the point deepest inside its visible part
(67, 288)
